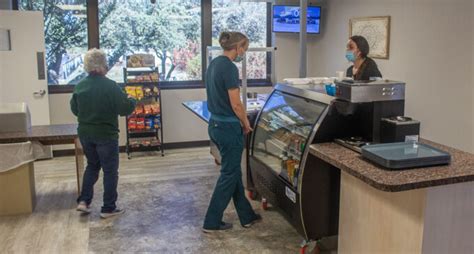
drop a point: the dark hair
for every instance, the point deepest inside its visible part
(362, 44)
(231, 40)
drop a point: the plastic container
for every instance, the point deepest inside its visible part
(405, 155)
(330, 89)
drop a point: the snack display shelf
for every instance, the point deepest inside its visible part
(146, 122)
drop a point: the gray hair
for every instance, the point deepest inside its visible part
(95, 61)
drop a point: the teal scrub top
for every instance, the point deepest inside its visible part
(221, 76)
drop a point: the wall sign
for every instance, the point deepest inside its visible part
(5, 42)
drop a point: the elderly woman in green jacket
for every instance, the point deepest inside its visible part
(97, 102)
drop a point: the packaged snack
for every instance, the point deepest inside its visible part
(147, 109)
(131, 90)
(132, 123)
(148, 92)
(154, 77)
(139, 110)
(155, 142)
(151, 122)
(146, 142)
(135, 61)
(139, 92)
(156, 91)
(156, 122)
(148, 124)
(155, 108)
(140, 123)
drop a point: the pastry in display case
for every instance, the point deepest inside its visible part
(282, 133)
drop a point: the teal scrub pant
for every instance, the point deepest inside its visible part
(228, 137)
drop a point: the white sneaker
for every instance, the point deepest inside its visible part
(112, 214)
(83, 207)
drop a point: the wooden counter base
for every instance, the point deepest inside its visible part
(18, 195)
(432, 220)
(373, 221)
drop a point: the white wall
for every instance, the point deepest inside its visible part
(5, 5)
(179, 124)
(472, 64)
(431, 50)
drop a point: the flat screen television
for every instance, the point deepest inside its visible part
(286, 19)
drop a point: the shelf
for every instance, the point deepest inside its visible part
(141, 115)
(142, 131)
(147, 98)
(286, 128)
(134, 70)
(282, 146)
(143, 83)
(143, 134)
(144, 148)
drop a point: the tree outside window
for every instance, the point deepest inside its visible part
(246, 17)
(65, 29)
(170, 30)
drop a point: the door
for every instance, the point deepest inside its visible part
(23, 75)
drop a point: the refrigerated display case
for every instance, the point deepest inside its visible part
(282, 133)
(281, 170)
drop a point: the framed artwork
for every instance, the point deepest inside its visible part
(377, 32)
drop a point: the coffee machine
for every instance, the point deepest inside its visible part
(372, 110)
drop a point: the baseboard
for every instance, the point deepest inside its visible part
(166, 146)
(190, 144)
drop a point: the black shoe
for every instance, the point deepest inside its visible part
(258, 218)
(224, 226)
(112, 214)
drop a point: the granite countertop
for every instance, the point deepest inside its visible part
(45, 133)
(460, 170)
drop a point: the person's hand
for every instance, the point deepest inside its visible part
(247, 128)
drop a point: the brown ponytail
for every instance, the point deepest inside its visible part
(232, 40)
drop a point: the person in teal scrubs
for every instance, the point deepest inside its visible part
(227, 127)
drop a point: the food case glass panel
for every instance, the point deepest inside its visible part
(282, 133)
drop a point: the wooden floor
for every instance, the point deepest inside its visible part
(55, 226)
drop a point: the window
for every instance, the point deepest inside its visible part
(249, 18)
(65, 29)
(168, 29)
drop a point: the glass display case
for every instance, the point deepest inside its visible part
(282, 132)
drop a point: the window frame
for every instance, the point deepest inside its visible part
(93, 33)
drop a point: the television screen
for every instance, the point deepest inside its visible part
(286, 19)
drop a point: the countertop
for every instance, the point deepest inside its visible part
(200, 108)
(460, 170)
(50, 134)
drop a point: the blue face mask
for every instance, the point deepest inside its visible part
(350, 56)
(238, 59)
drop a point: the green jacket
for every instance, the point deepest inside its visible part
(97, 102)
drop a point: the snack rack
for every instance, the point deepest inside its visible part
(145, 124)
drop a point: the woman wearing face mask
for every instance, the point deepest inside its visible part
(363, 68)
(227, 127)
